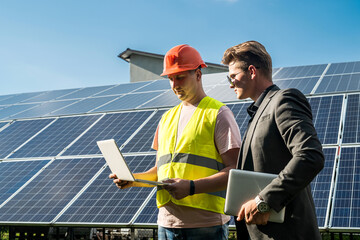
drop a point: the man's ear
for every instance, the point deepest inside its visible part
(253, 71)
(198, 74)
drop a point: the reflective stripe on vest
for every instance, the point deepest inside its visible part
(194, 156)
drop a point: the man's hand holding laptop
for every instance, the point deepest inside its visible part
(252, 215)
(120, 183)
(123, 184)
(123, 177)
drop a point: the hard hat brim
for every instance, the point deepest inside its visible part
(181, 69)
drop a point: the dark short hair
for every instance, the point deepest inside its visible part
(249, 53)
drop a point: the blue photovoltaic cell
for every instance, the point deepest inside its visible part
(47, 194)
(167, 99)
(51, 95)
(241, 116)
(103, 202)
(346, 203)
(223, 93)
(305, 85)
(129, 101)
(86, 92)
(19, 98)
(18, 133)
(56, 137)
(149, 214)
(341, 68)
(122, 88)
(118, 126)
(15, 174)
(4, 97)
(43, 109)
(339, 83)
(326, 117)
(300, 71)
(85, 105)
(320, 186)
(142, 141)
(274, 70)
(154, 86)
(8, 111)
(3, 124)
(352, 120)
(215, 79)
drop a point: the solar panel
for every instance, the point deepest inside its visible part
(103, 202)
(51, 95)
(86, 92)
(346, 67)
(320, 186)
(346, 203)
(274, 71)
(167, 99)
(339, 83)
(11, 110)
(3, 124)
(56, 186)
(154, 86)
(47, 194)
(4, 97)
(305, 85)
(301, 71)
(19, 98)
(223, 93)
(149, 214)
(142, 141)
(18, 132)
(56, 137)
(326, 117)
(43, 109)
(215, 79)
(118, 126)
(121, 89)
(129, 101)
(23, 170)
(352, 120)
(84, 105)
(241, 116)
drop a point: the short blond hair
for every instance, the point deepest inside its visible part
(249, 53)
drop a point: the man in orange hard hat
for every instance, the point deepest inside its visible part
(197, 143)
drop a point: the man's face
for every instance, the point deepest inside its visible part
(184, 84)
(241, 79)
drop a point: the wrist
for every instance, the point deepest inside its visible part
(261, 205)
(192, 188)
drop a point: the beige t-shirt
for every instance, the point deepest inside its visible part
(227, 136)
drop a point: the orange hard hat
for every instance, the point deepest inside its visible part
(182, 58)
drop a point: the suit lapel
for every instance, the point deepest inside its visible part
(252, 126)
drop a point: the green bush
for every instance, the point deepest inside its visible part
(4, 233)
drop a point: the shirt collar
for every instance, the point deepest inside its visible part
(255, 105)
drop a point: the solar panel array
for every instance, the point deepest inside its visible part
(51, 171)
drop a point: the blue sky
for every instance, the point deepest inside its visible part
(47, 45)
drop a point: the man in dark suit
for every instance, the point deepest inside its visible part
(280, 139)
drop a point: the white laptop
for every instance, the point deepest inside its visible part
(244, 186)
(117, 164)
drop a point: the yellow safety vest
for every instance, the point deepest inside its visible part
(194, 156)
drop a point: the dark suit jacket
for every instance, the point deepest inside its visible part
(281, 139)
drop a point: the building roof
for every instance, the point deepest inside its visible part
(125, 55)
